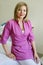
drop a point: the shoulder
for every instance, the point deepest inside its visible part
(10, 22)
(29, 22)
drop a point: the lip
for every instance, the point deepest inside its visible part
(21, 15)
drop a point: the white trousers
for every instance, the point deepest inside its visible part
(4, 60)
(29, 62)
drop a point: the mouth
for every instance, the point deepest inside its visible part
(22, 15)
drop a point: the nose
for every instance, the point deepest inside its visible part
(21, 12)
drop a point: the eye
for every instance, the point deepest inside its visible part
(19, 9)
(24, 10)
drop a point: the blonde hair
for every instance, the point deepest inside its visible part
(18, 6)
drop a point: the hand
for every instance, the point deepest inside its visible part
(11, 55)
(36, 58)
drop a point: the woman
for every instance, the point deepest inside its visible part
(23, 46)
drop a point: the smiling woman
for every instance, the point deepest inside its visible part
(23, 47)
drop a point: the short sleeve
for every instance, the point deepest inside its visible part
(31, 34)
(5, 33)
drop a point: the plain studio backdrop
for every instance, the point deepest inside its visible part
(36, 16)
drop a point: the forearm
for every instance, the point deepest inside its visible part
(9, 54)
(5, 48)
(34, 47)
(36, 57)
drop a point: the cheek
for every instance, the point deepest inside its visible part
(24, 13)
(18, 13)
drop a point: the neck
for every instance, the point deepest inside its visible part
(20, 20)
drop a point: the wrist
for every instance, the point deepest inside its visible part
(8, 53)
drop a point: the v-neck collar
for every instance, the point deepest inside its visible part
(20, 27)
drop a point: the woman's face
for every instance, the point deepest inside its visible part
(21, 12)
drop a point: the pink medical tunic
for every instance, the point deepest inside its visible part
(21, 42)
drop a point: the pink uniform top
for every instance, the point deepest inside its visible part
(21, 42)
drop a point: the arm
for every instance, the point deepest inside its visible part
(4, 38)
(36, 57)
(32, 40)
(5, 49)
(8, 53)
(33, 46)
